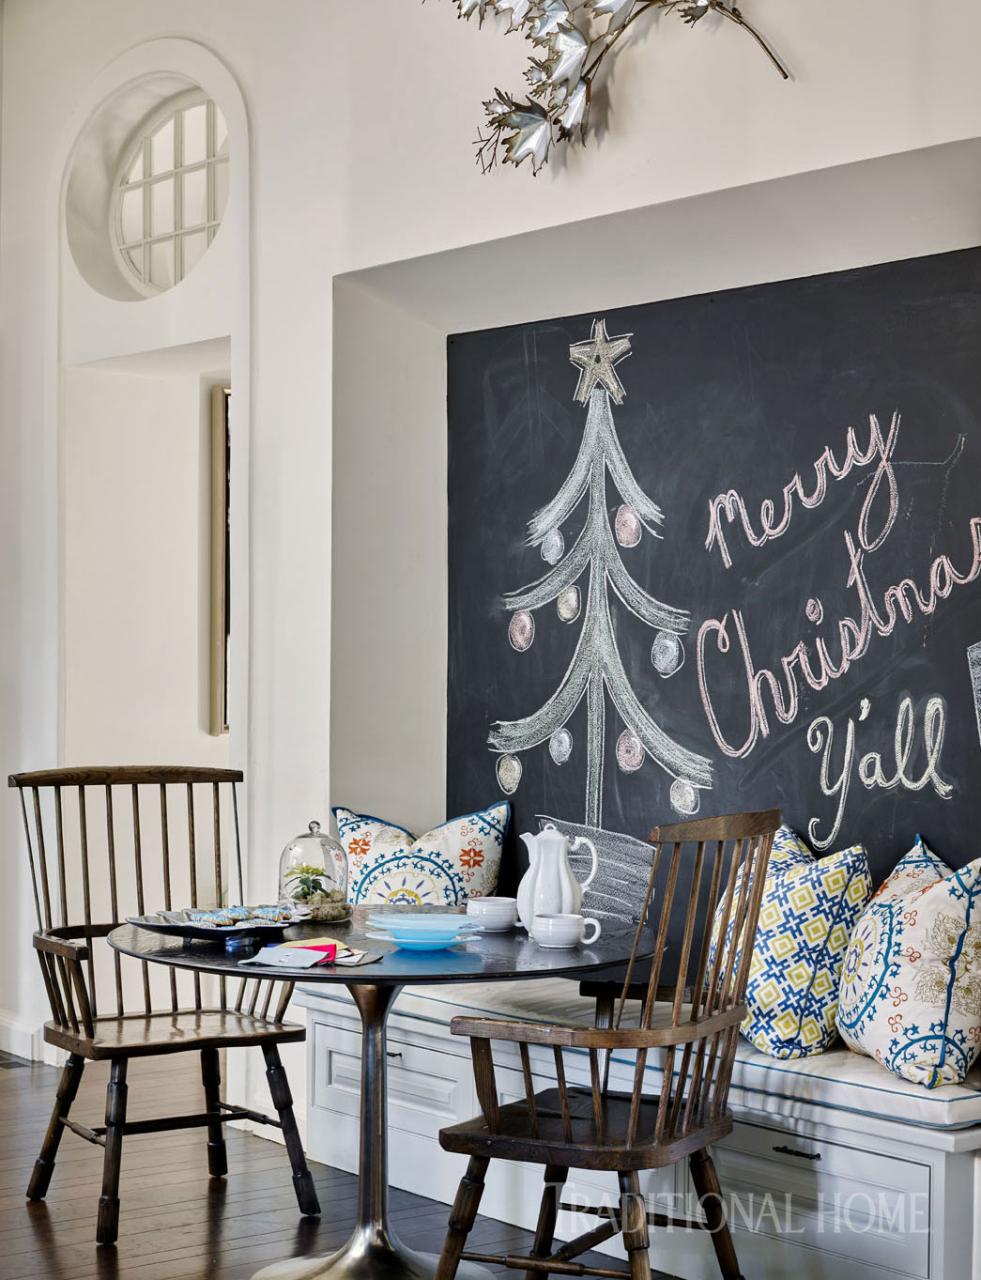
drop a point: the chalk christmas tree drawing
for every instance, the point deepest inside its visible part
(596, 671)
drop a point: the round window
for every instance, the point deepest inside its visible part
(170, 193)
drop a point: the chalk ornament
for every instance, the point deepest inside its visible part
(567, 605)
(521, 630)
(560, 746)
(630, 751)
(667, 653)
(627, 526)
(553, 545)
(684, 797)
(508, 774)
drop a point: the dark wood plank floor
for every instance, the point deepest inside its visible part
(175, 1223)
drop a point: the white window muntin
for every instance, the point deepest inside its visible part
(156, 235)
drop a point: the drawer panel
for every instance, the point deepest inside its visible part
(426, 1089)
(846, 1201)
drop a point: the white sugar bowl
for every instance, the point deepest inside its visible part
(494, 915)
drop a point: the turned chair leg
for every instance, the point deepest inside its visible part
(555, 1176)
(462, 1217)
(71, 1076)
(633, 1224)
(709, 1192)
(282, 1099)
(211, 1077)
(107, 1228)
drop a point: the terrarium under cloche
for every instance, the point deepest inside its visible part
(313, 875)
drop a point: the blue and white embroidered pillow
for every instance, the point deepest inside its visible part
(808, 909)
(911, 984)
(455, 861)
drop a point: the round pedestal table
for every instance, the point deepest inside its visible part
(374, 1252)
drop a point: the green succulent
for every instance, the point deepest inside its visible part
(306, 880)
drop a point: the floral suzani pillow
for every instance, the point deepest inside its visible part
(389, 865)
(911, 983)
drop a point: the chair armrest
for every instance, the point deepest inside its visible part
(65, 948)
(520, 1032)
(563, 1037)
(64, 980)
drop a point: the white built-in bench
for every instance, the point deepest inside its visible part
(838, 1168)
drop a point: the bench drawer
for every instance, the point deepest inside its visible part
(426, 1089)
(844, 1200)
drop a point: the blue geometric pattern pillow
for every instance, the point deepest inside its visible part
(455, 861)
(911, 984)
(808, 909)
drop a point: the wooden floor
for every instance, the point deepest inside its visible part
(175, 1222)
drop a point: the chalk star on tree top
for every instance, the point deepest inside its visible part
(595, 359)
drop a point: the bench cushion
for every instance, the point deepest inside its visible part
(838, 1078)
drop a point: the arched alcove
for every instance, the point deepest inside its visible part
(130, 377)
(133, 392)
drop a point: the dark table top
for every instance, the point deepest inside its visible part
(487, 957)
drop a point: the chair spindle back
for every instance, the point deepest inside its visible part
(709, 875)
(726, 858)
(128, 840)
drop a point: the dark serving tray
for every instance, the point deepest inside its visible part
(175, 924)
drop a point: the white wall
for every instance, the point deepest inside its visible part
(137, 572)
(388, 633)
(361, 118)
(691, 112)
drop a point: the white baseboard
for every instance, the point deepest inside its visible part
(25, 1039)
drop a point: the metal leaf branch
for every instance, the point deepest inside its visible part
(572, 40)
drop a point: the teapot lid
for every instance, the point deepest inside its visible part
(551, 833)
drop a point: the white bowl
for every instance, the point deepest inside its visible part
(493, 915)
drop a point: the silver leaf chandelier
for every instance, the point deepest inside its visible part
(571, 41)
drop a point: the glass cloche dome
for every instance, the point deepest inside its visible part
(313, 875)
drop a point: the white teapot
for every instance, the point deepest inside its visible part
(548, 887)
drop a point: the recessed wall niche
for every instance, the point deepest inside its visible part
(107, 155)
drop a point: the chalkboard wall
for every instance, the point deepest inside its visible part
(789, 482)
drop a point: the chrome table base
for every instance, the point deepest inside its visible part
(373, 1252)
(367, 1257)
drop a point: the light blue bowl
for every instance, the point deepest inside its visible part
(429, 942)
(420, 923)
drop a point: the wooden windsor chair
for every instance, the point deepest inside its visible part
(692, 1034)
(102, 1006)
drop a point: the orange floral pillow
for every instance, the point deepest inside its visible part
(455, 861)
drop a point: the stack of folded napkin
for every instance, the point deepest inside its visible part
(307, 953)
